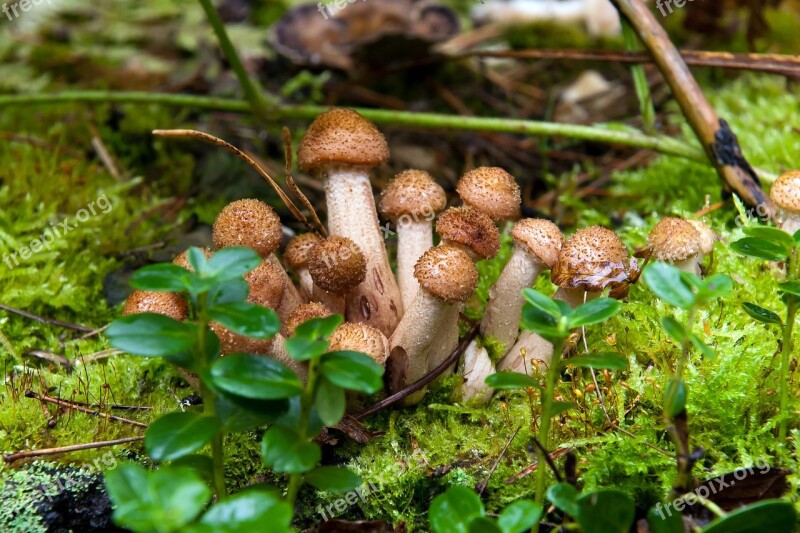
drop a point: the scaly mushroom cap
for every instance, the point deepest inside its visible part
(304, 313)
(337, 265)
(164, 303)
(707, 236)
(674, 239)
(249, 223)
(360, 337)
(469, 227)
(413, 193)
(542, 238)
(341, 137)
(267, 284)
(447, 273)
(592, 259)
(785, 192)
(492, 190)
(298, 249)
(230, 342)
(182, 259)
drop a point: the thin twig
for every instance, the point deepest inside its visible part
(293, 188)
(528, 470)
(43, 320)
(482, 485)
(70, 405)
(10, 458)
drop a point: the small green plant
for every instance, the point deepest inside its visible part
(772, 244)
(460, 510)
(240, 392)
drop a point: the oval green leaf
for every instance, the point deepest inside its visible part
(605, 511)
(771, 235)
(609, 361)
(285, 452)
(333, 479)
(520, 516)
(352, 371)
(593, 312)
(512, 380)
(250, 510)
(674, 329)
(761, 314)
(453, 511)
(175, 435)
(246, 319)
(665, 282)
(775, 516)
(330, 402)
(161, 277)
(255, 377)
(151, 335)
(759, 249)
(319, 328)
(565, 497)
(231, 262)
(543, 303)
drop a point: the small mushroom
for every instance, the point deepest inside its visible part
(360, 337)
(182, 259)
(304, 313)
(296, 256)
(677, 241)
(337, 266)
(163, 303)
(447, 277)
(342, 146)
(469, 229)
(411, 201)
(267, 285)
(785, 192)
(492, 190)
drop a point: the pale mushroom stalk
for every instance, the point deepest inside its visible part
(296, 256)
(476, 366)
(342, 146)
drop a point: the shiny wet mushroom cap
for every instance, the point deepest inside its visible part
(592, 259)
(249, 223)
(341, 137)
(492, 190)
(447, 273)
(163, 303)
(470, 228)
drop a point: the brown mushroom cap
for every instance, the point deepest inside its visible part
(492, 190)
(182, 259)
(337, 264)
(360, 337)
(469, 227)
(707, 236)
(230, 342)
(674, 239)
(785, 192)
(267, 284)
(341, 137)
(298, 249)
(413, 193)
(592, 259)
(447, 273)
(304, 313)
(542, 238)
(164, 303)
(249, 223)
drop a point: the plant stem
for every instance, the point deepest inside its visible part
(787, 347)
(252, 89)
(640, 80)
(675, 424)
(306, 401)
(547, 410)
(609, 133)
(686, 345)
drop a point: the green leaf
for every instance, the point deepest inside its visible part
(197, 259)
(663, 519)
(593, 312)
(303, 349)
(796, 236)
(453, 511)
(352, 371)
(231, 262)
(243, 414)
(151, 335)
(759, 249)
(790, 287)
(610, 361)
(536, 320)
(285, 452)
(483, 524)
(202, 464)
(520, 516)
(674, 329)
(561, 407)
(255, 377)
(675, 398)
(565, 497)
(775, 516)
(716, 286)
(770, 235)
(605, 511)
(175, 435)
(232, 290)
(319, 328)
(761, 314)
(704, 348)
(246, 319)
(665, 282)
(512, 380)
(542, 303)
(164, 500)
(330, 402)
(333, 479)
(161, 277)
(250, 510)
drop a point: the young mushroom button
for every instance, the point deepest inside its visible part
(337, 266)
(296, 256)
(411, 201)
(163, 303)
(342, 146)
(360, 337)
(492, 190)
(677, 241)
(785, 192)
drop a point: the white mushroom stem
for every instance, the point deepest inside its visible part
(352, 214)
(691, 265)
(291, 297)
(446, 338)
(413, 239)
(791, 223)
(334, 302)
(278, 352)
(504, 310)
(306, 283)
(476, 367)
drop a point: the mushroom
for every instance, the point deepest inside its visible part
(447, 277)
(469, 229)
(267, 285)
(475, 367)
(411, 201)
(296, 256)
(492, 190)
(677, 241)
(163, 303)
(337, 266)
(785, 192)
(182, 259)
(273, 348)
(342, 146)
(304, 313)
(360, 337)
(254, 224)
